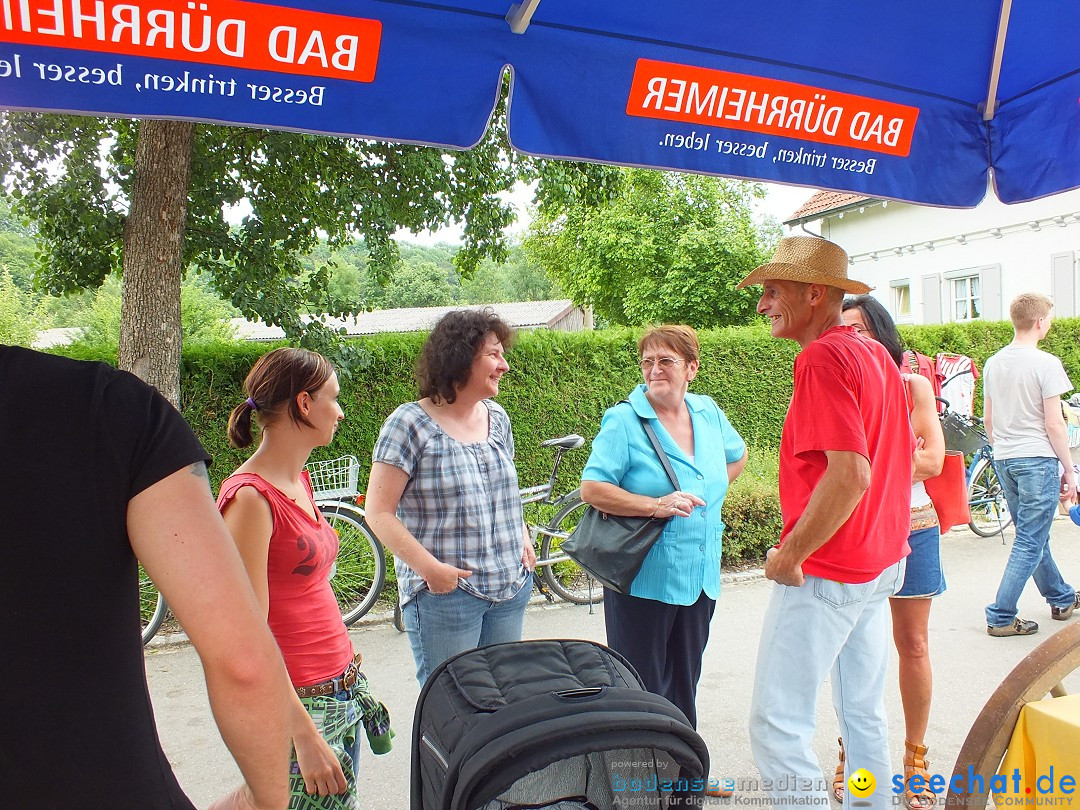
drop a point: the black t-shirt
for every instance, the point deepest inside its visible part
(77, 441)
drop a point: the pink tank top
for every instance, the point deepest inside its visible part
(303, 613)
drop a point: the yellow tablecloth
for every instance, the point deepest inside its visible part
(1045, 752)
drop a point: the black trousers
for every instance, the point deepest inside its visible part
(663, 642)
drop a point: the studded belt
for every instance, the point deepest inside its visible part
(923, 517)
(345, 681)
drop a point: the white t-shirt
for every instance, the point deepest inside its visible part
(1017, 379)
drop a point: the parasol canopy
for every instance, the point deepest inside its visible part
(919, 101)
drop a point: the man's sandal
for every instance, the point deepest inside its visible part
(717, 792)
(915, 764)
(838, 783)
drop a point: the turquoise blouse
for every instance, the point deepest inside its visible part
(686, 559)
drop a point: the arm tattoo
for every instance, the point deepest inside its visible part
(198, 469)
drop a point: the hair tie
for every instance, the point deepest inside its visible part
(251, 404)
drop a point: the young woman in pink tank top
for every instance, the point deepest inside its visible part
(289, 549)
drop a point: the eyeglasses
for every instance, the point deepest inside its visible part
(665, 363)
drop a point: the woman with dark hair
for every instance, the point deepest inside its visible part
(443, 497)
(867, 315)
(923, 577)
(288, 549)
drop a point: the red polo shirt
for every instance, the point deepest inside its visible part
(849, 396)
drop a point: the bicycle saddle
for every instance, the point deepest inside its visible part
(565, 442)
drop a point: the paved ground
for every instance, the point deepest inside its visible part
(968, 665)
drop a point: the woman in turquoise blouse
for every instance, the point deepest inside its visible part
(662, 625)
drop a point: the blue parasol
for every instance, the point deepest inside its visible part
(920, 101)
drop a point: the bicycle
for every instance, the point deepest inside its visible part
(152, 607)
(990, 513)
(554, 569)
(359, 572)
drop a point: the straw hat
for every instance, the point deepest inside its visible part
(809, 259)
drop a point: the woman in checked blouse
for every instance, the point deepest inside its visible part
(443, 497)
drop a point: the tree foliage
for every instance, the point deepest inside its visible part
(16, 247)
(204, 316)
(427, 276)
(20, 318)
(670, 248)
(518, 279)
(73, 178)
(17, 257)
(92, 187)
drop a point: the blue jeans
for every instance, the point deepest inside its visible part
(809, 632)
(442, 625)
(1031, 487)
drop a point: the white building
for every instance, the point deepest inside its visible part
(936, 265)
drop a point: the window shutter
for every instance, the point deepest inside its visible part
(1063, 284)
(931, 298)
(990, 278)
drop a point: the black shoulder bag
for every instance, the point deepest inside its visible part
(611, 548)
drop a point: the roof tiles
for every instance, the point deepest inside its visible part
(824, 201)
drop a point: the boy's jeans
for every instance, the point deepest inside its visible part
(1031, 488)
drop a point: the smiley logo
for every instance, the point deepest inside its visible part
(862, 783)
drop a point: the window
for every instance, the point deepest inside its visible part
(966, 298)
(901, 300)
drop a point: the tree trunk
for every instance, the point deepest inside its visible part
(150, 332)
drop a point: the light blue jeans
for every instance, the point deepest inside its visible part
(1031, 487)
(442, 625)
(809, 632)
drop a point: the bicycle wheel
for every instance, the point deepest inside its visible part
(565, 577)
(152, 607)
(989, 509)
(360, 569)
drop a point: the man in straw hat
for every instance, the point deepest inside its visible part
(845, 488)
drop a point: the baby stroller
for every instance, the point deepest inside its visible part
(555, 724)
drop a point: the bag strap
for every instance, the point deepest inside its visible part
(907, 392)
(664, 460)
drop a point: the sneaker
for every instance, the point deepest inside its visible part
(1019, 627)
(1062, 613)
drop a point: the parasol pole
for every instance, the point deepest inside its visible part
(990, 107)
(520, 15)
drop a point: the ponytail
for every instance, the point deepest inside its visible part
(240, 424)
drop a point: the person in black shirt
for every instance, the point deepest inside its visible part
(98, 470)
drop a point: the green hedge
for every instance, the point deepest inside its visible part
(558, 383)
(561, 383)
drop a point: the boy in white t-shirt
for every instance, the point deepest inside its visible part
(1022, 410)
